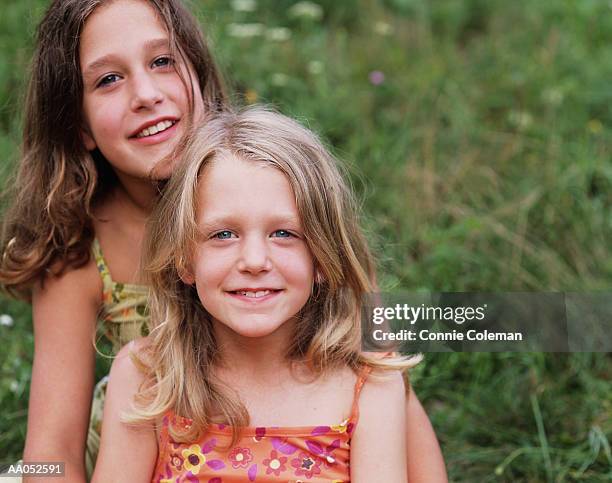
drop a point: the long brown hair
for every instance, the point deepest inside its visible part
(49, 221)
(178, 361)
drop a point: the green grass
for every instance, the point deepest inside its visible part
(483, 162)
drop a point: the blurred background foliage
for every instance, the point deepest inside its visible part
(478, 135)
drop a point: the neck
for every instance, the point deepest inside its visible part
(253, 357)
(138, 194)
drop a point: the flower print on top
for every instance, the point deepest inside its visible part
(123, 316)
(124, 312)
(264, 455)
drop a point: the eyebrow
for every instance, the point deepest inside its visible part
(105, 60)
(221, 221)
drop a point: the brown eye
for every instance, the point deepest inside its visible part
(164, 61)
(107, 80)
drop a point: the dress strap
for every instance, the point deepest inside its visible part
(105, 275)
(163, 441)
(361, 379)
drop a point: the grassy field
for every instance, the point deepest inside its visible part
(479, 133)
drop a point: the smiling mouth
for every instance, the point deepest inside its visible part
(155, 129)
(252, 294)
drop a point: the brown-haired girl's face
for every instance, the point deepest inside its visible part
(136, 106)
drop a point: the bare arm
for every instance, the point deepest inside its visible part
(127, 452)
(425, 461)
(378, 447)
(64, 313)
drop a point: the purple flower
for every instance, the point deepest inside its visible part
(376, 77)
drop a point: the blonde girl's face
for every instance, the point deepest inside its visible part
(251, 266)
(135, 105)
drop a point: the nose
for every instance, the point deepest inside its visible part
(145, 92)
(254, 256)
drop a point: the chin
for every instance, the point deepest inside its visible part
(254, 329)
(162, 170)
(255, 332)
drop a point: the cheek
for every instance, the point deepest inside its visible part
(298, 267)
(211, 268)
(104, 121)
(179, 91)
(207, 277)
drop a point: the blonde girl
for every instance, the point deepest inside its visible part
(115, 86)
(253, 370)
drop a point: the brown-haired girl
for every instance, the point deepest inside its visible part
(253, 370)
(115, 86)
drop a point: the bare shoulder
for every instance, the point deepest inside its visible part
(65, 308)
(382, 401)
(135, 347)
(81, 284)
(126, 371)
(124, 381)
(385, 386)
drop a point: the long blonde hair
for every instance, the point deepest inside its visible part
(48, 222)
(182, 351)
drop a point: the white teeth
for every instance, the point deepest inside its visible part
(254, 295)
(159, 127)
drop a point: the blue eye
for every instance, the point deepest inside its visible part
(108, 79)
(223, 235)
(282, 234)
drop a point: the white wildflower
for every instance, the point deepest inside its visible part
(383, 28)
(315, 67)
(306, 9)
(520, 119)
(279, 79)
(14, 387)
(244, 5)
(6, 320)
(552, 96)
(278, 34)
(245, 30)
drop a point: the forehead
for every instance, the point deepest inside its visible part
(118, 26)
(230, 185)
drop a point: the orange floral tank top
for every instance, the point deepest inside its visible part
(263, 455)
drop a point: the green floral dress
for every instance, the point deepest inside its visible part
(123, 317)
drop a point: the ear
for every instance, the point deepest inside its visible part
(186, 276)
(88, 140)
(319, 278)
